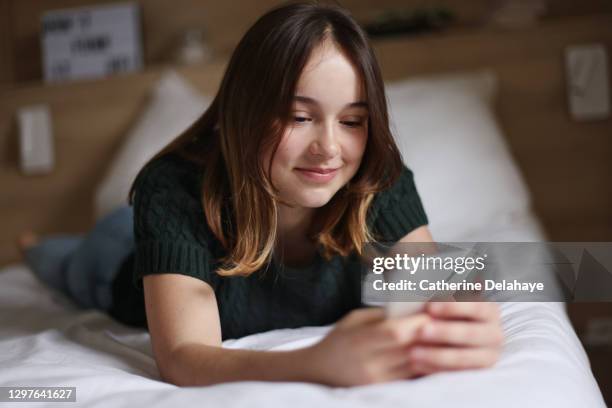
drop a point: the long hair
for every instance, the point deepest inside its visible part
(248, 115)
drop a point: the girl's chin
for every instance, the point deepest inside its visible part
(316, 199)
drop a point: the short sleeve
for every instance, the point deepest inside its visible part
(398, 210)
(169, 227)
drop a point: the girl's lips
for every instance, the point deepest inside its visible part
(320, 176)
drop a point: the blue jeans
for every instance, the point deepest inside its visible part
(83, 266)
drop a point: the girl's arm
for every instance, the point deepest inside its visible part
(364, 346)
(199, 364)
(183, 321)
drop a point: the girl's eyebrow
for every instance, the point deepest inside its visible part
(311, 101)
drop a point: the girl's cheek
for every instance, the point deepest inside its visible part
(355, 149)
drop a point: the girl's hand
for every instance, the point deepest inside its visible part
(461, 335)
(365, 347)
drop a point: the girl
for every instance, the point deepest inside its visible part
(254, 219)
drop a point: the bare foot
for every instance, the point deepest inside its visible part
(26, 240)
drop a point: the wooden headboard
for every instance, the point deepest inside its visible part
(567, 164)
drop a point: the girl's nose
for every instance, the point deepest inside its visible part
(325, 144)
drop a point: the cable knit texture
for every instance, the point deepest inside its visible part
(172, 237)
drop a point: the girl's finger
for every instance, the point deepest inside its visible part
(421, 369)
(362, 316)
(460, 333)
(482, 311)
(398, 331)
(451, 358)
(404, 368)
(394, 363)
(414, 369)
(396, 359)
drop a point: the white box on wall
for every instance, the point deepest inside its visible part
(587, 81)
(36, 150)
(90, 42)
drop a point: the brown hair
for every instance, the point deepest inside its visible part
(248, 116)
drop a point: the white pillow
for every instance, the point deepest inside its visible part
(448, 135)
(173, 106)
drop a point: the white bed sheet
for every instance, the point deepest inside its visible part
(46, 341)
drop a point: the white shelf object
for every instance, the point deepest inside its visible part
(35, 139)
(587, 81)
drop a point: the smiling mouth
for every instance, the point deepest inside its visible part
(319, 171)
(317, 175)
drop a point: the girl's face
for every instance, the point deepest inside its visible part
(322, 147)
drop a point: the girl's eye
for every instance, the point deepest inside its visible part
(349, 123)
(352, 123)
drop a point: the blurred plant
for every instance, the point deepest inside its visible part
(396, 22)
(516, 13)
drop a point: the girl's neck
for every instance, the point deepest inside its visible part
(293, 244)
(294, 223)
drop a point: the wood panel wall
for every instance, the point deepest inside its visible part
(6, 46)
(567, 164)
(225, 22)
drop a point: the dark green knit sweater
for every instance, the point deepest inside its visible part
(172, 237)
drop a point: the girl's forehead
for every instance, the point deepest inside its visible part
(330, 74)
(325, 56)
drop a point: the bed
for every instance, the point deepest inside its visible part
(46, 341)
(472, 190)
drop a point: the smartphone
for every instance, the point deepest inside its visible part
(403, 309)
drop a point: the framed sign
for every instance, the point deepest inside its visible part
(91, 42)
